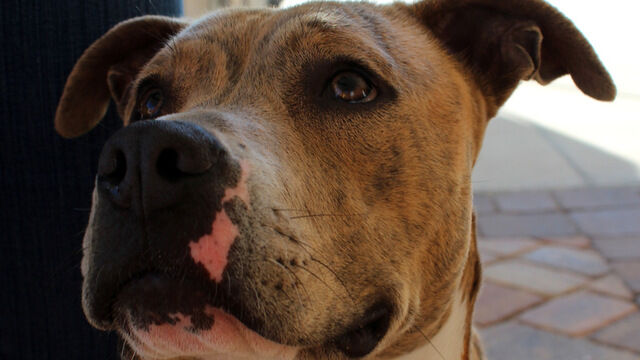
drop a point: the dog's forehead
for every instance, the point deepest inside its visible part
(244, 46)
(322, 24)
(260, 23)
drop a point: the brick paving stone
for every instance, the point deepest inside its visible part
(620, 248)
(486, 256)
(629, 271)
(609, 223)
(595, 198)
(496, 302)
(512, 341)
(532, 277)
(483, 203)
(579, 313)
(538, 225)
(611, 285)
(525, 202)
(624, 333)
(577, 241)
(586, 262)
(508, 246)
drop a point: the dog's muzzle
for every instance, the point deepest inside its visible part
(159, 189)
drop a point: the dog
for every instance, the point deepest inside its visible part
(295, 183)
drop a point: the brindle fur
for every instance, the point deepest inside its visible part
(350, 204)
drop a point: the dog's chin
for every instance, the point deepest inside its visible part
(160, 319)
(227, 338)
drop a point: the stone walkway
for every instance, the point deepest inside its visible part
(561, 274)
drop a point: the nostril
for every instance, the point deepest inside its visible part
(145, 166)
(117, 169)
(167, 165)
(174, 165)
(111, 176)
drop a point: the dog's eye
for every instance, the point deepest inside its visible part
(352, 87)
(151, 104)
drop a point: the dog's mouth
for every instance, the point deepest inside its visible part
(162, 316)
(150, 299)
(365, 334)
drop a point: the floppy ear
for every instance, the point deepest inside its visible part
(505, 41)
(107, 68)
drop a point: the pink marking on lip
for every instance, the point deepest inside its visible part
(211, 250)
(228, 338)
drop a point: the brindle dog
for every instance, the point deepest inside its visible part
(295, 183)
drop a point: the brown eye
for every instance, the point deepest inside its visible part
(352, 87)
(151, 104)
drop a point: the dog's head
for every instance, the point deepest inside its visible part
(296, 183)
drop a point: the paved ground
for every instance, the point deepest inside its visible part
(561, 273)
(558, 201)
(554, 137)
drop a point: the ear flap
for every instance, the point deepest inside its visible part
(108, 67)
(505, 41)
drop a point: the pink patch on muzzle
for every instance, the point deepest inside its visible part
(228, 338)
(211, 250)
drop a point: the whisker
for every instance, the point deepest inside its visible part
(324, 215)
(319, 278)
(271, 261)
(278, 209)
(429, 340)
(258, 302)
(313, 258)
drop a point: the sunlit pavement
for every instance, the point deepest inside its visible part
(555, 137)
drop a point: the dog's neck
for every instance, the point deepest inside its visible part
(449, 342)
(456, 338)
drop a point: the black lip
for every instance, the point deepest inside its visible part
(365, 334)
(152, 297)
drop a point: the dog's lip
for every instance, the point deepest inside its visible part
(205, 328)
(228, 337)
(160, 289)
(161, 314)
(366, 332)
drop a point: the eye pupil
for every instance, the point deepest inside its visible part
(153, 101)
(152, 104)
(348, 82)
(352, 87)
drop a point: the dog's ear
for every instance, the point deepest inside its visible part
(108, 68)
(505, 41)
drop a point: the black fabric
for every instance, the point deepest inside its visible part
(46, 181)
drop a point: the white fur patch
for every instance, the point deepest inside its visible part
(448, 344)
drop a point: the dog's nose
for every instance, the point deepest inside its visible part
(145, 166)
